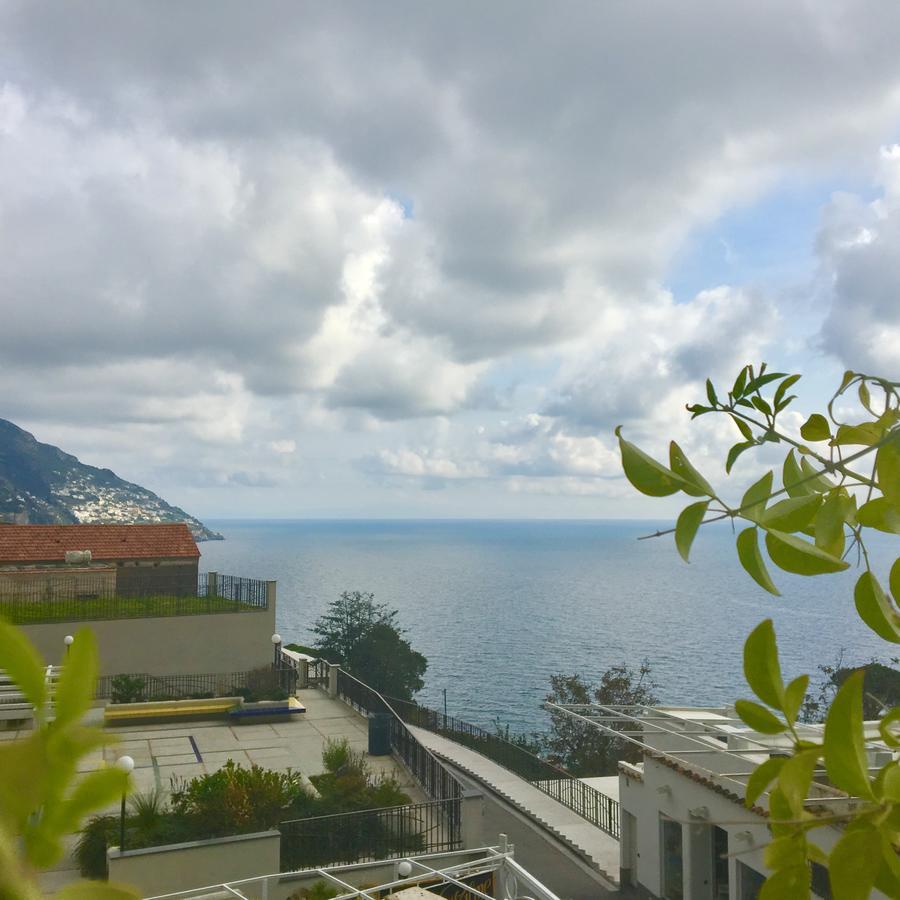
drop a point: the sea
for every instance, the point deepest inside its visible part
(498, 607)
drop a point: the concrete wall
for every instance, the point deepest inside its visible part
(181, 867)
(166, 577)
(170, 645)
(41, 583)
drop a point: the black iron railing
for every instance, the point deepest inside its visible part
(80, 597)
(368, 834)
(435, 779)
(140, 686)
(588, 802)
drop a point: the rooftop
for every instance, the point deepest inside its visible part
(49, 543)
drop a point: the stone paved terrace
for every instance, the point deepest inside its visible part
(195, 748)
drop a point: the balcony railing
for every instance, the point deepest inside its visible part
(72, 598)
(589, 803)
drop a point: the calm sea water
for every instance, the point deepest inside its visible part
(497, 607)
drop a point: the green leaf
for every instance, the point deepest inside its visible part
(753, 504)
(795, 778)
(762, 381)
(791, 476)
(865, 434)
(879, 514)
(800, 557)
(783, 404)
(735, 452)
(865, 397)
(891, 782)
(95, 791)
(815, 428)
(854, 863)
(792, 514)
(791, 883)
(22, 663)
(793, 697)
(786, 852)
(829, 525)
(894, 579)
(686, 527)
(889, 726)
(682, 467)
(845, 753)
(75, 688)
(742, 427)
(782, 389)
(761, 405)
(815, 479)
(758, 717)
(739, 382)
(761, 667)
(876, 609)
(763, 775)
(887, 468)
(752, 561)
(645, 473)
(711, 393)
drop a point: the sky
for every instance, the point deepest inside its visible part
(350, 259)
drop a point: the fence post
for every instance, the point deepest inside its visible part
(270, 594)
(212, 584)
(472, 820)
(333, 679)
(303, 669)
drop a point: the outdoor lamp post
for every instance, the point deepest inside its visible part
(276, 645)
(68, 640)
(126, 764)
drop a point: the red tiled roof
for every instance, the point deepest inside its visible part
(49, 543)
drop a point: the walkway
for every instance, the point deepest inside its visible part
(593, 843)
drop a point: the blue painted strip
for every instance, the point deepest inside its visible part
(195, 748)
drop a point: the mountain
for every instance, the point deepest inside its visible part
(40, 484)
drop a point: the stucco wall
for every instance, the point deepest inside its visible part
(181, 867)
(663, 790)
(170, 645)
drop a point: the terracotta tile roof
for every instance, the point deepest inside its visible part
(49, 543)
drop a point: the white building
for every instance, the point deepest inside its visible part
(685, 831)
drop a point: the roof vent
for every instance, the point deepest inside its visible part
(78, 557)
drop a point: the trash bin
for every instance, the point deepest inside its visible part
(379, 734)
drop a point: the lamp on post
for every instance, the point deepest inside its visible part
(276, 645)
(68, 640)
(125, 764)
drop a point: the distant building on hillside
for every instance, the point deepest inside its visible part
(86, 560)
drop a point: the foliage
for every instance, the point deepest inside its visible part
(235, 800)
(831, 497)
(364, 637)
(262, 684)
(348, 783)
(100, 833)
(579, 747)
(881, 689)
(318, 890)
(127, 689)
(42, 797)
(533, 743)
(388, 663)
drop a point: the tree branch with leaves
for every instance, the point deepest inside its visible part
(840, 480)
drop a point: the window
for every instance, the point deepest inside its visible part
(821, 883)
(672, 864)
(750, 882)
(720, 863)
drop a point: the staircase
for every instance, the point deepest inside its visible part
(14, 705)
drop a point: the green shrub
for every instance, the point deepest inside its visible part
(90, 849)
(261, 684)
(127, 689)
(235, 800)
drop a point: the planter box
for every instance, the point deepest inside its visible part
(169, 710)
(264, 711)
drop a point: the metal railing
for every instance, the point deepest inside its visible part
(140, 686)
(368, 834)
(589, 803)
(436, 780)
(67, 598)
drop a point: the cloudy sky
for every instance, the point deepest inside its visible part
(419, 259)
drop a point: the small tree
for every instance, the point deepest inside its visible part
(580, 747)
(831, 497)
(363, 636)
